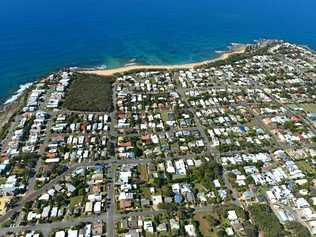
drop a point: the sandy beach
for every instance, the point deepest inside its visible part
(239, 49)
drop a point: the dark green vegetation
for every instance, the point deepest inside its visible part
(265, 220)
(89, 93)
(214, 222)
(4, 131)
(206, 173)
(296, 229)
(23, 165)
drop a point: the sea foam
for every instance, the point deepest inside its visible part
(18, 93)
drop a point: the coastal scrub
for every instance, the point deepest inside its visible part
(89, 93)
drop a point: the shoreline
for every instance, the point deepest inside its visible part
(13, 103)
(18, 93)
(234, 50)
(9, 110)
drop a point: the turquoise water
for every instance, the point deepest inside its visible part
(39, 36)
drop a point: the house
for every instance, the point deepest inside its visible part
(60, 234)
(148, 226)
(32, 234)
(156, 199)
(125, 204)
(72, 233)
(3, 204)
(301, 203)
(190, 230)
(97, 208)
(54, 212)
(70, 187)
(45, 212)
(217, 184)
(174, 225)
(178, 198)
(162, 227)
(201, 196)
(180, 167)
(133, 233)
(229, 231)
(9, 187)
(232, 216)
(88, 207)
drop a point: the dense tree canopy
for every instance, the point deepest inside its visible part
(296, 229)
(206, 173)
(89, 93)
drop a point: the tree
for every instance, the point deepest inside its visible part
(265, 220)
(170, 207)
(212, 220)
(221, 233)
(166, 191)
(251, 230)
(207, 172)
(297, 230)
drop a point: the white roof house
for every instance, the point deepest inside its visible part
(72, 233)
(148, 226)
(190, 230)
(232, 216)
(60, 234)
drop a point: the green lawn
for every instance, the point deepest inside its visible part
(264, 219)
(19, 171)
(143, 172)
(261, 190)
(164, 116)
(308, 107)
(2, 180)
(305, 167)
(74, 201)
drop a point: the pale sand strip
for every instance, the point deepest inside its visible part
(121, 70)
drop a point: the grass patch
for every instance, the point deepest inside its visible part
(306, 167)
(265, 220)
(143, 172)
(2, 180)
(89, 93)
(261, 190)
(75, 201)
(4, 131)
(296, 229)
(19, 171)
(205, 226)
(145, 192)
(309, 108)
(164, 116)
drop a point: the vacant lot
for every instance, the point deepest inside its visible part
(265, 220)
(89, 93)
(306, 167)
(309, 108)
(205, 226)
(143, 172)
(76, 201)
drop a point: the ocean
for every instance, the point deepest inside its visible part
(38, 37)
